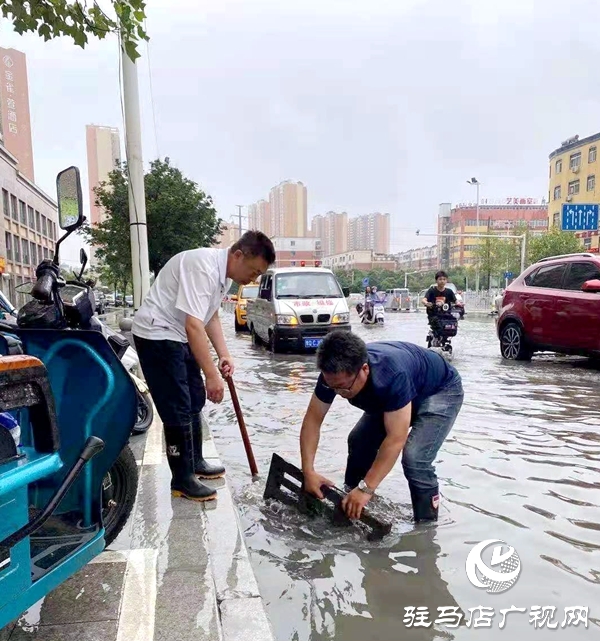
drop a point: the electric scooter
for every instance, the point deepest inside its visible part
(68, 487)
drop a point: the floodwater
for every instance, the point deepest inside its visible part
(521, 465)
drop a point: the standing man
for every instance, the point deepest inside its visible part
(171, 331)
(410, 397)
(437, 295)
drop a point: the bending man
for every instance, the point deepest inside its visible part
(410, 397)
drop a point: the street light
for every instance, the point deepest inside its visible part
(475, 182)
(406, 275)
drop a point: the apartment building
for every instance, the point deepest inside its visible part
(30, 221)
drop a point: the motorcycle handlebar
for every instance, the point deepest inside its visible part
(42, 290)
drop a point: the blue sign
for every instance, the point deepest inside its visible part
(365, 282)
(508, 275)
(579, 217)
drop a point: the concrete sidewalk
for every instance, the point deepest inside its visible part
(179, 571)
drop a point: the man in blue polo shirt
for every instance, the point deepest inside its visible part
(410, 397)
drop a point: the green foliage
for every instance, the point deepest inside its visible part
(179, 216)
(55, 18)
(554, 242)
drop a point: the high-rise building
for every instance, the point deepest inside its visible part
(573, 169)
(332, 230)
(103, 156)
(288, 210)
(230, 233)
(371, 231)
(259, 217)
(15, 122)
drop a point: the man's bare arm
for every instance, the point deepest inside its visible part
(198, 341)
(397, 425)
(214, 331)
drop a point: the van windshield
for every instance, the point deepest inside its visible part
(307, 285)
(251, 291)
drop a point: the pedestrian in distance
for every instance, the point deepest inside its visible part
(172, 330)
(410, 397)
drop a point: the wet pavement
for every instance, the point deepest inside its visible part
(521, 465)
(179, 571)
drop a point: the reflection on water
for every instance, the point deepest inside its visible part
(521, 465)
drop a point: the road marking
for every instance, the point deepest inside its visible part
(154, 451)
(138, 603)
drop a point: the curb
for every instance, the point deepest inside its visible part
(241, 608)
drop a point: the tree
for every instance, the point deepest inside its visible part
(179, 216)
(554, 242)
(55, 18)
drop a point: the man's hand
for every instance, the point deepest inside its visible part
(215, 388)
(354, 502)
(226, 366)
(313, 482)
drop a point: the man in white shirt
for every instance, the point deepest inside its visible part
(171, 331)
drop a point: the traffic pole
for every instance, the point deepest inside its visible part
(135, 168)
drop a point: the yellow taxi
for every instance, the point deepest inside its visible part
(245, 292)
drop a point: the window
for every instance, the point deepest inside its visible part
(592, 154)
(23, 210)
(38, 223)
(549, 276)
(33, 253)
(53, 235)
(591, 183)
(587, 243)
(575, 160)
(8, 239)
(580, 273)
(556, 219)
(17, 250)
(574, 187)
(44, 225)
(14, 207)
(557, 193)
(292, 243)
(46, 252)
(31, 216)
(558, 166)
(6, 203)
(25, 251)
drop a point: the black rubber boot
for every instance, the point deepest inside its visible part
(425, 504)
(180, 454)
(202, 468)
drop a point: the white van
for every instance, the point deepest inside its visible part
(296, 307)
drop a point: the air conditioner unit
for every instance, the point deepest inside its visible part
(576, 169)
(569, 198)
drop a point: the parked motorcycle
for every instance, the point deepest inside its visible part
(445, 328)
(118, 342)
(371, 315)
(74, 402)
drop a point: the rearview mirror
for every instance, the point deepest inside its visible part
(346, 291)
(591, 286)
(82, 256)
(70, 199)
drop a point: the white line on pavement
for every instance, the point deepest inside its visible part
(138, 605)
(153, 453)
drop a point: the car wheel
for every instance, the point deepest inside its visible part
(512, 343)
(255, 337)
(238, 327)
(274, 346)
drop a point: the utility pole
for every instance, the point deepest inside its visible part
(474, 181)
(135, 168)
(240, 218)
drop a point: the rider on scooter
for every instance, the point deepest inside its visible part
(369, 304)
(437, 295)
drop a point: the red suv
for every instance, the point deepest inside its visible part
(553, 306)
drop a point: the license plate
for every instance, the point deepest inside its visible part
(312, 342)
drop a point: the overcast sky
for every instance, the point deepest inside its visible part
(376, 106)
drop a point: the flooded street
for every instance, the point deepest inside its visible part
(522, 465)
